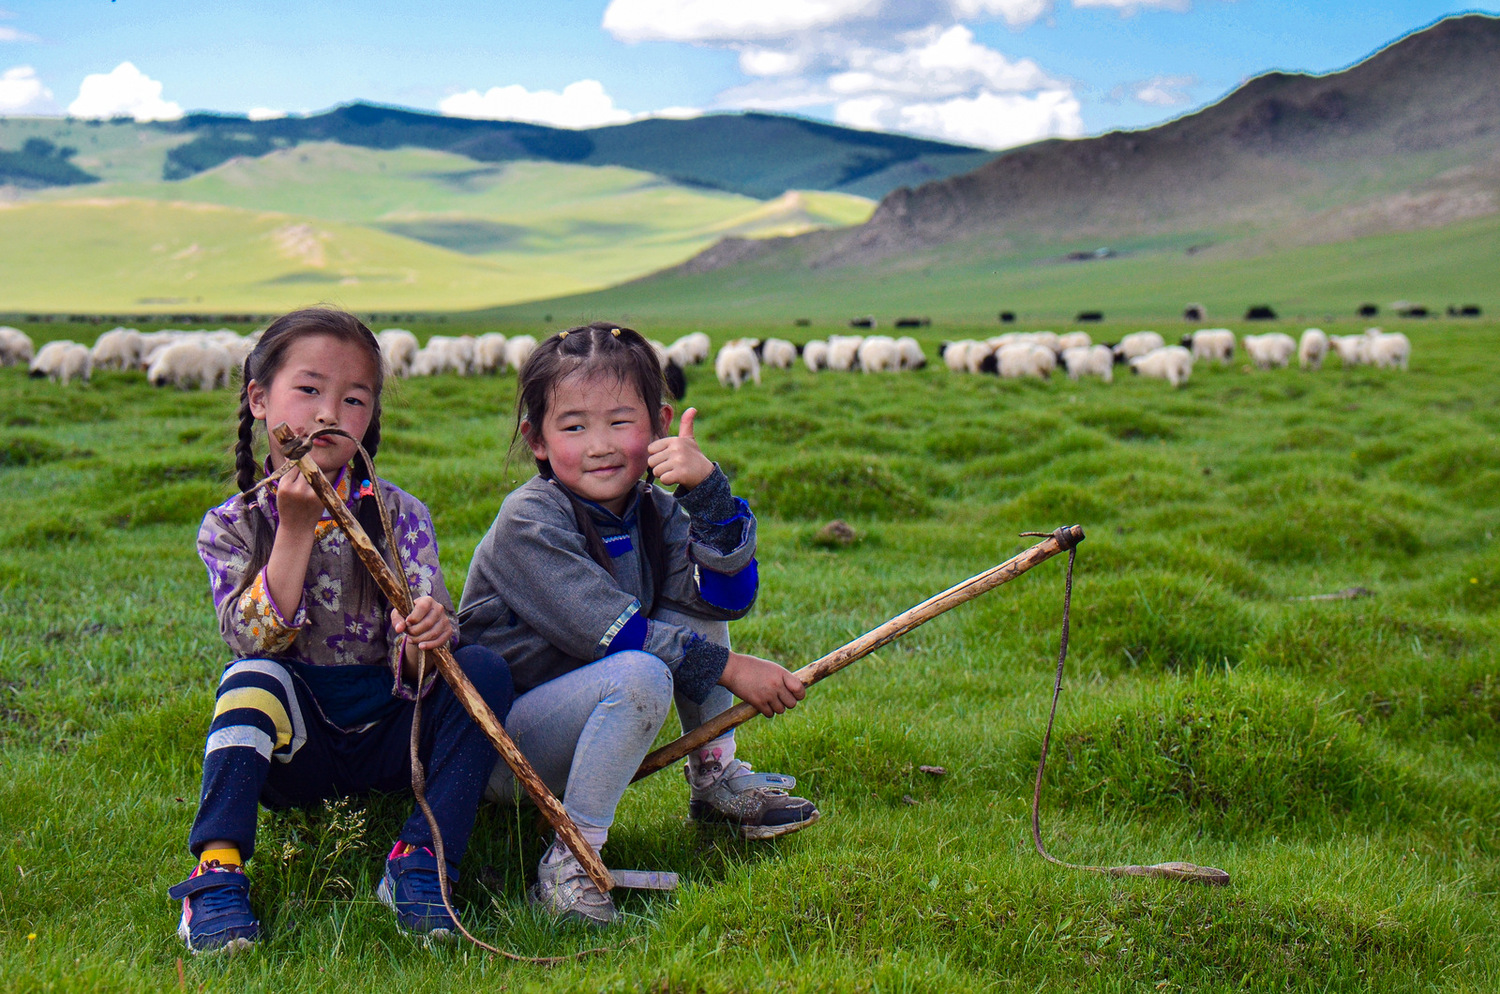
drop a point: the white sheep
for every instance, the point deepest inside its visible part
(1025, 359)
(1172, 363)
(1073, 340)
(399, 347)
(1390, 351)
(119, 348)
(879, 354)
(843, 351)
(912, 356)
(15, 346)
(778, 353)
(189, 361)
(62, 361)
(955, 355)
(1212, 344)
(815, 355)
(736, 363)
(489, 353)
(690, 350)
(1272, 350)
(1137, 344)
(518, 349)
(1352, 350)
(1090, 360)
(1312, 348)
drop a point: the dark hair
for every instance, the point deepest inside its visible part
(590, 350)
(262, 365)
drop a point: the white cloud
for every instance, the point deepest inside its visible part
(990, 120)
(11, 34)
(1129, 7)
(123, 92)
(718, 21)
(23, 92)
(584, 104)
(1164, 91)
(1017, 13)
(937, 63)
(264, 113)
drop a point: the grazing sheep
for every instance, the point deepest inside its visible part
(878, 354)
(489, 353)
(1212, 344)
(843, 352)
(1090, 360)
(457, 352)
(117, 349)
(690, 350)
(1137, 344)
(955, 355)
(399, 347)
(1273, 350)
(815, 355)
(736, 363)
(518, 349)
(1312, 348)
(1351, 349)
(189, 361)
(15, 346)
(912, 356)
(62, 361)
(778, 353)
(1389, 351)
(1073, 340)
(1172, 363)
(1025, 359)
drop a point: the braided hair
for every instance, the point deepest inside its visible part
(589, 350)
(261, 367)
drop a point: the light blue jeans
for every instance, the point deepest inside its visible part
(587, 731)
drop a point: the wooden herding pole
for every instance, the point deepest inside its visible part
(399, 595)
(1061, 540)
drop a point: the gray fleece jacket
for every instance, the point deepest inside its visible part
(536, 596)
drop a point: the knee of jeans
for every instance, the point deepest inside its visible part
(644, 681)
(490, 675)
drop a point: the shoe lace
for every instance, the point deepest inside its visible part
(422, 888)
(219, 900)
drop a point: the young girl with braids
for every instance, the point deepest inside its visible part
(319, 700)
(609, 595)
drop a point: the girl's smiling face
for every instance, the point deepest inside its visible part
(595, 435)
(324, 382)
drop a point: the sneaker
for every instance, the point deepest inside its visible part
(410, 888)
(564, 889)
(755, 805)
(216, 913)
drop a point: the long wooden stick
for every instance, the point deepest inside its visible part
(396, 591)
(1061, 540)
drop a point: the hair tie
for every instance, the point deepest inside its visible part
(615, 332)
(562, 334)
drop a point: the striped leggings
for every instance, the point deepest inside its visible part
(270, 744)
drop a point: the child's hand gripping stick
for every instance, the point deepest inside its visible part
(296, 450)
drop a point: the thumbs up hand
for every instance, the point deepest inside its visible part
(677, 460)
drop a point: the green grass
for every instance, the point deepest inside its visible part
(1339, 758)
(399, 229)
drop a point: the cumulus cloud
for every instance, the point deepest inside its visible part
(716, 21)
(264, 114)
(1164, 91)
(584, 104)
(990, 120)
(22, 92)
(1129, 7)
(123, 92)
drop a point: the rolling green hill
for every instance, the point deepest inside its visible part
(753, 154)
(405, 228)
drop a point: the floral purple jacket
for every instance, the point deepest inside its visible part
(333, 626)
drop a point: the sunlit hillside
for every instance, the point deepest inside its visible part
(408, 228)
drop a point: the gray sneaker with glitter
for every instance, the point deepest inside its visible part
(755, 805)
(563, 888)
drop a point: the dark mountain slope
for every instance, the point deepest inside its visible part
(1419, 119)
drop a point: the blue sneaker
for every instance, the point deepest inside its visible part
(410, 888)
(216, 913)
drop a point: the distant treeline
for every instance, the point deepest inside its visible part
(41, 163)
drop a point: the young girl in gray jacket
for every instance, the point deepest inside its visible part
(608, 596)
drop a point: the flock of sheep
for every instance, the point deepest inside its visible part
(209, 359)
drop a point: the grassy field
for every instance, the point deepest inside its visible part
(400, 229)
(1151, 279)
(1340, 759)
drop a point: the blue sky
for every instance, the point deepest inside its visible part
(986, 72)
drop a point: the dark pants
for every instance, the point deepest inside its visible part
(271, 743)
